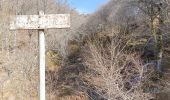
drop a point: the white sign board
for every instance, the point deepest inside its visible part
(40, 21)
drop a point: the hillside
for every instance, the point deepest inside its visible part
(119, 52)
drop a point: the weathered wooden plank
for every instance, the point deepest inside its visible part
(40, 21)
(24, 22)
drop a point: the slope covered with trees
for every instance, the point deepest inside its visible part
(120, 52)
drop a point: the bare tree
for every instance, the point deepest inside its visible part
(122, 75)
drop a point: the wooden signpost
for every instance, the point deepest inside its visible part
(40, 22)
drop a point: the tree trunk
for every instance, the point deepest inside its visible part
(156, 23)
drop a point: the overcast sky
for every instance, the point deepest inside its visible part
(86, 6)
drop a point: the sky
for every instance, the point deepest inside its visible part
(86, 6)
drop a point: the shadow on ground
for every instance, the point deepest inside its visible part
(69, 80)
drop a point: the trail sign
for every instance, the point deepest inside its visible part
(40, 22)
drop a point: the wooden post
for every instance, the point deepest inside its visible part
(41, 37)
(42, 63)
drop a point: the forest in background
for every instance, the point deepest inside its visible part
(120, 52)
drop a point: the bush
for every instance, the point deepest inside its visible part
(121, 74)
(53, 60)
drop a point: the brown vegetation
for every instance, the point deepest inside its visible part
(120, 52)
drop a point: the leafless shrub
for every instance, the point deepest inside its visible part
(121, 74)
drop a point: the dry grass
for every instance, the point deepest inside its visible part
(21, 77)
